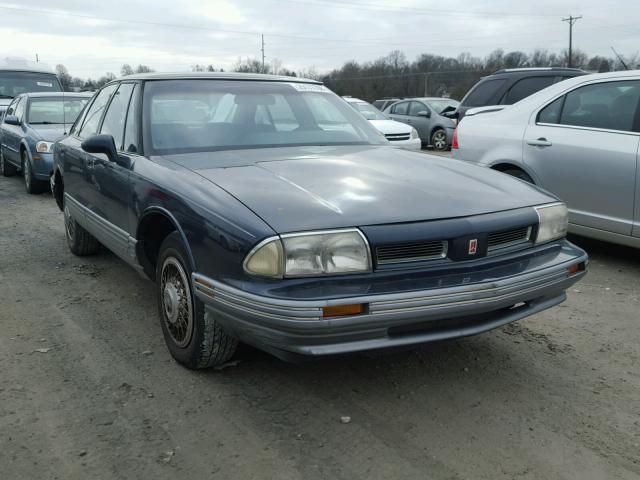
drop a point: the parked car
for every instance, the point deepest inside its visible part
(399, 134)
(33, 122)
(268, 211)
(578, 139)
(21, 76)
(424, 114)
(383, 103)
(509, 86)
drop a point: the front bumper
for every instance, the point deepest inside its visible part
(42, 165)
(294, 326)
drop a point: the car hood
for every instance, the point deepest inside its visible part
(311, 188)
(49, 133)
(390, 126)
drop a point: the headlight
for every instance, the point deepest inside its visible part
(311, 254)
(553, 221)
(44, 147)
(414, 134)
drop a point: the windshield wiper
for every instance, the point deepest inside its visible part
(6, 96)
(45, 123)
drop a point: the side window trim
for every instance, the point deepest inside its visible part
(77, 126)
(104, 110)
(108, 106)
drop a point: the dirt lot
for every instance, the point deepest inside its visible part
(89, 391)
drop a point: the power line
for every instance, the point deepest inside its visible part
(571, 20)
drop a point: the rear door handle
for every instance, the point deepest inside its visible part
(540, 142)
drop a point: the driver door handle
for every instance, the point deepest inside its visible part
(540, 142)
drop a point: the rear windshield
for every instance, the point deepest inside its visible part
(44, 111)
(15, 83)
(205, 115)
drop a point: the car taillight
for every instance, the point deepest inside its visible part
(454, 142)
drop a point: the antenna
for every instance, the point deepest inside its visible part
(620, 58)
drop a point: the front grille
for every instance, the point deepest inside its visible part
(411, 252)
(508, 238)
(395, 137)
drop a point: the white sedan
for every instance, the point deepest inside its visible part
(397, 133)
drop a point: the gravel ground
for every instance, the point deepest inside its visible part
(89, 391)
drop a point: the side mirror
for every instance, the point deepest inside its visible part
(450, 112)
(423, 113)
(104, 144)
(12, 120)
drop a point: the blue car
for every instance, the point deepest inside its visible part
(268, 211)
(33, 122)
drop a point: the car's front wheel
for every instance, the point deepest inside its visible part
(31, 184)
(439, 140)
(192, 334)
(6, 168)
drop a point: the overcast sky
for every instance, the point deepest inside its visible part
(92, 37)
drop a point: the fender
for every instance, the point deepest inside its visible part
(515, 165)
(176, 224)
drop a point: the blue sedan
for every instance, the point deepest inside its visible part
(33, 122)
(268, 211)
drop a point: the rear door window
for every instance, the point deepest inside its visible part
(486, 93)
(400, 108)
(525, 87)
(608, 105)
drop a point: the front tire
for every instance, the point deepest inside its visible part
(6, 168)
(31, 184)
(81, 242)
(192, 334)
(439, 140)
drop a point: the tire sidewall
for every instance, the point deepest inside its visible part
(433, 143)
(190, 354)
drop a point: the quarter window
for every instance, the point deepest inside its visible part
(610, 105)
(525, 87)
(551, 113)
(131, 132)
(484, 94)
(12, 108)
(114, 119)
(94, 114)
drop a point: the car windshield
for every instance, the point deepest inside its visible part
(15, 83)
(440, 105)
(50, 110)
(205, 115)
(368, 111)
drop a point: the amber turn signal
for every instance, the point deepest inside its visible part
(578, 267)
(344, 310)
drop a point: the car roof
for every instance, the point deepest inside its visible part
(23, 65)
(353, 99)
(218, 76)
(58, 94)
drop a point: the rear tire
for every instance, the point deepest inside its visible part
(514, 172)
(81, 242)
(192, 334)
(7, 169)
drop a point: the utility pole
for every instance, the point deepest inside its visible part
(263, 53)
(426, 84)
(571, 20)
(37, 59)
